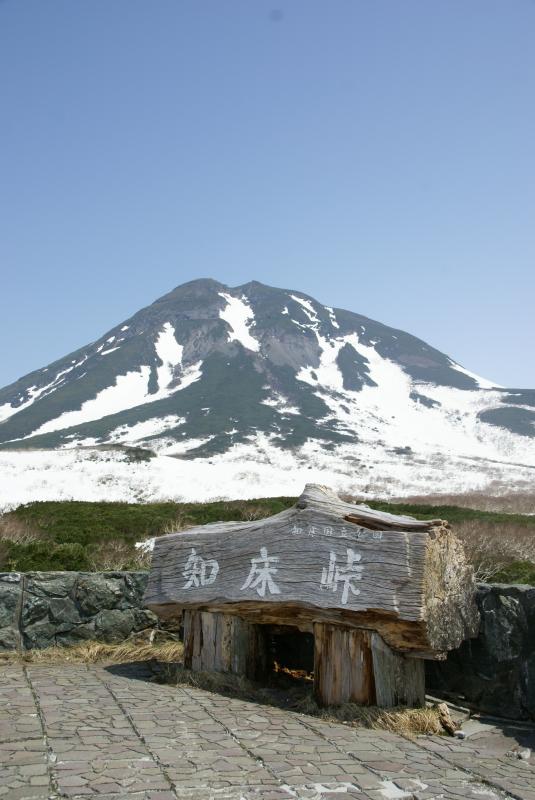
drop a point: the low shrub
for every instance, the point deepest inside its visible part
(44, 556)
(76, 535)
(493, 548)
(117, 555)
(516, 572)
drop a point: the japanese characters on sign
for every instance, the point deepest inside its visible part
(261, 575)
(199, 571)
(334, 575)
(340, 575)
(361, 534)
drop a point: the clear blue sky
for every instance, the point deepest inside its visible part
(376, 154)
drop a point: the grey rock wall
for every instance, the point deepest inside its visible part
(10, 607)
(495, 671)
(41, 609)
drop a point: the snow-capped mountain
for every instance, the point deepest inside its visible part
(258, 375)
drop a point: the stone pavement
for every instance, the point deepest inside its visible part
(110, 733)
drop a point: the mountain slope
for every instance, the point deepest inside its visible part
(209, 370)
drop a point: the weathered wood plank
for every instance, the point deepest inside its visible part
(192, 640)
(343, 670)
(312, 563)
(399, 681)
(216, 642)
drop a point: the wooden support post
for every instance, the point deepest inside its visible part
(343, 670)
(215, 642)
(399, 681)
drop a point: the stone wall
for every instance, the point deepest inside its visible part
(10, 604)
(40, 609)
(495, 671)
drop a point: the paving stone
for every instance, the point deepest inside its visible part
(112, 734)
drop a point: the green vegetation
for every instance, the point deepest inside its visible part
(516, 572)
(102, 536)
(43, 555)
(75, 535)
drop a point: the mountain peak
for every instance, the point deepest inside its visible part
(192, 288)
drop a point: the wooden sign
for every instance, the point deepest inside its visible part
(324, 561)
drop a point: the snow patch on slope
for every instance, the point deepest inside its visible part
(307, 307)
(132, 434)
(385, 415)
(239, 316)
(169, 351)
(327, 374)
(7, 410)
(191, 374)
(281, 404)
(129, 390)
(173, 448)
(75, 364)
(332, 316)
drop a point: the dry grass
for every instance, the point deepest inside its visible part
(98, 652)
(14, 531)
(117, 555)
(404, 721)
(521, 502)
(491, 547)
(297, 696)
(180, 523)
(17, 531)
(249, 513)
(242, 510)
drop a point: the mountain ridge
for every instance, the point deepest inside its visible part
(210, 371)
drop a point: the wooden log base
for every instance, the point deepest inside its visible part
(350, 664)
(399, 681)
(223, 643)
(343, 669)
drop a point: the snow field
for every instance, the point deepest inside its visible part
(255, 469)
(386, 414)
(129, 390)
